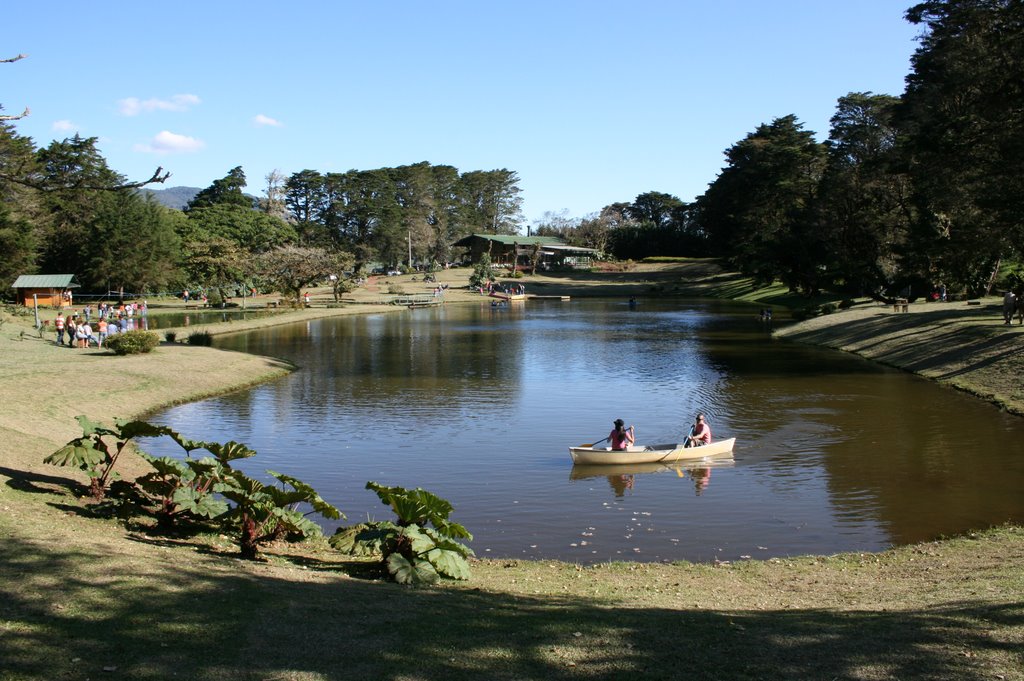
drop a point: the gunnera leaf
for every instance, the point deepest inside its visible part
(405, 572)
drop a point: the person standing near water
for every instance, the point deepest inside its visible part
(59, 325)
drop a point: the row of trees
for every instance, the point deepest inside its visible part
(906, 191)
(382, 214)
(62, 209)
(910, 190)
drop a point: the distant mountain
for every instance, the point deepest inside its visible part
(178, 197)
(173, 197)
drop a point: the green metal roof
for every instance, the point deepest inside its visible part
(45, 281)
(514, 239)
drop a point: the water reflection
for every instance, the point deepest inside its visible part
(168, 320)
(623, 478)
(478, 405)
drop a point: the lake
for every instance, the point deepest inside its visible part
(167, 320)
(479, 405)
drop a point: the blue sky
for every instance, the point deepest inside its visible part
(590, 102)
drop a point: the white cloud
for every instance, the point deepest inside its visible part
(167, 142)
(133, 106)
(63, 126)
(262, 120)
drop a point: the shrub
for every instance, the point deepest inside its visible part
(95, 455)
(420, 546)
(204, 338)
(132, 342)
(808, 312)
(846, 304)
(214, 298)
(828, 308)
(396, 289)
(186, 491)
(171, 336)
(263, 513)
(483, 272)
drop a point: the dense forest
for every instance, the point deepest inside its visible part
(906, 191)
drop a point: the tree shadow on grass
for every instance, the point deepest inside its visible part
(70, 614)
(917, 347)
(39, 483)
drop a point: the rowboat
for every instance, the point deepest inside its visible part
(500, 295)
(649, 453)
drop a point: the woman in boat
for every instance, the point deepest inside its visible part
(621, 437)
(700, 434)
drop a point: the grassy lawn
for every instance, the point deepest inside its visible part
(84, 597)
(964, 346)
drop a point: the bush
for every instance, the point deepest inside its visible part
(132, 342)
(193, 491)
(396, 289)
(214, 298)
(18, 311)
(483, 272)
(808, 312)
(845, 304)
(420, 547)
(828, 308)
(204, 338)
(171, 336)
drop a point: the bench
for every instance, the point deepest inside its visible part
(901, 305)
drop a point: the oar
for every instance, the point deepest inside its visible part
(591, 444)
(688, 443)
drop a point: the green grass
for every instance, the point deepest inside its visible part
(80, 595)
(156, 609)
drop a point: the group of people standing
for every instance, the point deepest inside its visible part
(111, 320)
(508, 289)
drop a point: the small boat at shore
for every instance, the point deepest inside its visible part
(661, 453)
(501, 295)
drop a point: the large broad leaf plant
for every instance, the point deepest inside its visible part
(263, 513)
(420, 546)
(191, 489)
(99, 447)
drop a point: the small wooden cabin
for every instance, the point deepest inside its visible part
(48, 289)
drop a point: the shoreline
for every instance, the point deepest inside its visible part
(80, 595)
(962, 346)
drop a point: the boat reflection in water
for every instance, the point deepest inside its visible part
(622, 477)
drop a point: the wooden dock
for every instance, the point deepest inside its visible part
(418, 300)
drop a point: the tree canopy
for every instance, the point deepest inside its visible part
(907, 190)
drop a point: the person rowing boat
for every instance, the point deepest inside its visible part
(621, 437)
(700, 433)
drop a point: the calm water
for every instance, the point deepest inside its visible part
(479, 406)
(168, 320)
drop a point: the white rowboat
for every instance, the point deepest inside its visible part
(648, 454)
